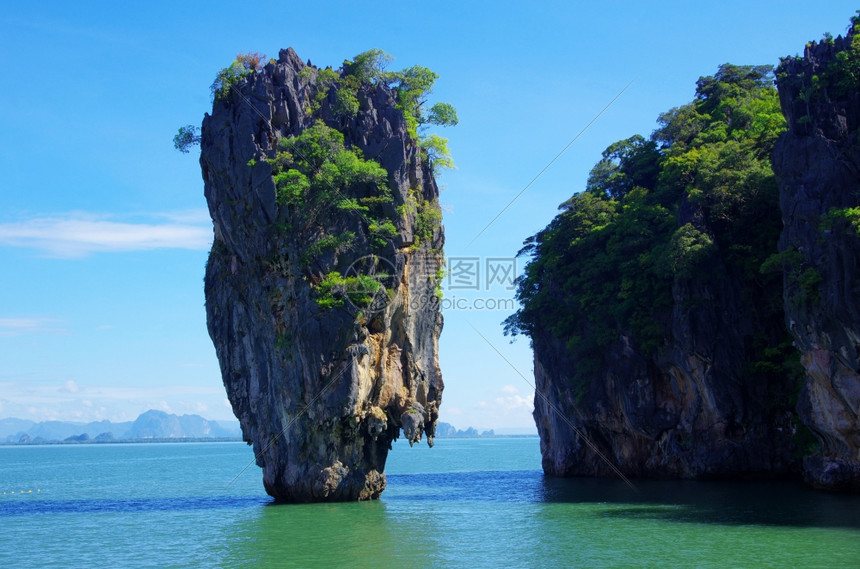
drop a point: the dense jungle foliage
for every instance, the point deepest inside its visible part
(699, 191)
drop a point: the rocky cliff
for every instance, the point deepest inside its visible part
(818, 165)
(659, 345)
(690, 409)
(320, 282)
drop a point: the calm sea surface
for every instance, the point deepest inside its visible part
(464, 503)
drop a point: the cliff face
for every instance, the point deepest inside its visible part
(319, 310)
(690, 409)
(660, 345)
(818, 165)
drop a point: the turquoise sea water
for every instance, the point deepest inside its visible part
(464, 503)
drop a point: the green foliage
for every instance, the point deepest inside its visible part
(839, 79)
(318, 178)
(845, 219)
(412, 86)
(442, 114)
(605, 267)
(381, 232)
(327, 243)
(335, 289)
(428, 218)
(436, 149)
(187, 137)
(801, 280)
(688, 249)
(809, 282)
(438, 277)
(368, 66)
(844, 72)
(625, 165)
(316, 175)
(315, 167)
(291, 186)
(245, 64)
(345, 103)
(789, 259)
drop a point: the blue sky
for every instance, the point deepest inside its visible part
(103, 226)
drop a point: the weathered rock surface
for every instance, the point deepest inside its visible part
(818, 164)
(321, 393)
(690, 410)
(687, 373)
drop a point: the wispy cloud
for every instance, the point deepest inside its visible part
(508, 407)
(71, 400)
(78, 234)
(20, 326)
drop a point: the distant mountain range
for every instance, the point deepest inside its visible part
(448, 431)
(152, 425)
(149, 425)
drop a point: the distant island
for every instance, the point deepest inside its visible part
(151, 426)
(154, 426)
(449, 431)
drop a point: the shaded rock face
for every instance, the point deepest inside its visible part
(321, 393)
(818, 165)
(689, 410)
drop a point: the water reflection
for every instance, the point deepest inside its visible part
(748, 502)
(327, 535)
(766, 503)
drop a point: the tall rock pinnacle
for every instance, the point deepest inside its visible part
(321, 286)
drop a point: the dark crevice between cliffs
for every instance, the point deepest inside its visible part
(693, 312)
(328, 247)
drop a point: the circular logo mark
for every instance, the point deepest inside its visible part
(370, 280)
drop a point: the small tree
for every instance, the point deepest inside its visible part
(438, 155)
(244, 64)
(187, 137)
(442, 114)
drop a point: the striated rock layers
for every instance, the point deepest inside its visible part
(320, 282)
(818, 165)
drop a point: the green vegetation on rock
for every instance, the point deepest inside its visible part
(697, 196)
(316, 168)
(245, 64)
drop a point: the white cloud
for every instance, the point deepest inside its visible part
(513, 402)
(81, 234)
(71, 400)
(505, 408)
(197, 216)
(20, 326)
